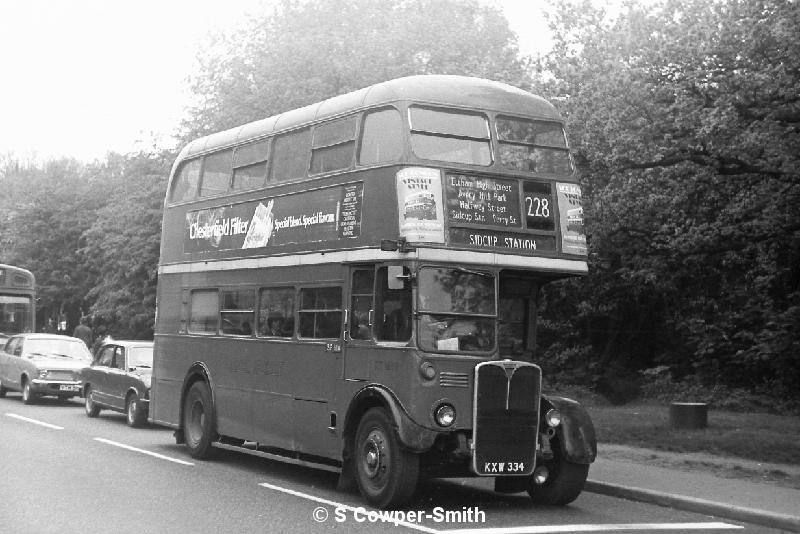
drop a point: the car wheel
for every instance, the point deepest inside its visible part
(3, 389)
(136, 415)
(199, 421)
(386, 473)
(92, 409)
(28, 396)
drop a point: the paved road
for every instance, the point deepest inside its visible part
(62, 472)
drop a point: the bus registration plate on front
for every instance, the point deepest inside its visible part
(504, 467)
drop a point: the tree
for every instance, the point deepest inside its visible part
(684, 118)
(122, 245)
(304, 51)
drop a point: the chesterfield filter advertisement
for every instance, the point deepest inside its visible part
(322, 215)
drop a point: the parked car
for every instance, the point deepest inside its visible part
(42, 364)
(119, 380)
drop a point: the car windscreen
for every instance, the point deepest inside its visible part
(140, 357)
(57, 348)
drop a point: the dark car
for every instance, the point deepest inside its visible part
(42, 364)
(119, 380)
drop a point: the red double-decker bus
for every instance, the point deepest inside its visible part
(354, 285)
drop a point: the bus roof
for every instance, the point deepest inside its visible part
(458, 91)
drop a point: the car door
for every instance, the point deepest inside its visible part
(115, 379)
(14, 367)
(99, 373)
(8, 363)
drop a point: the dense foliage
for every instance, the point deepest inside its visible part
(90, 234)
(684, 119)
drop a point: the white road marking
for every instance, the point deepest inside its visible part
(547, 529)
(34, 421)
(535, 529)
(150, 453)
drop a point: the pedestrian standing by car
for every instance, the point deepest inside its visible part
(83, 332)
(99, 339)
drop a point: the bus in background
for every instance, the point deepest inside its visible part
(17, 301)
(354, 285)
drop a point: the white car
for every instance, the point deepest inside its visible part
(43, 364)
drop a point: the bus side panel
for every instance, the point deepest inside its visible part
(273, 422)
(168, 373)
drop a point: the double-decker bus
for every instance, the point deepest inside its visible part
(310, 309)
(17, 301)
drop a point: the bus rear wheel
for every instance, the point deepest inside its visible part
(386, 473)
(199, 421)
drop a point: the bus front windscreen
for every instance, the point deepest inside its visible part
(15, 314)
(456, 310)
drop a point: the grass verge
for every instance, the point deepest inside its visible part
(752, 436)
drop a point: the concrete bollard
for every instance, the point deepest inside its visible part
(689, 415)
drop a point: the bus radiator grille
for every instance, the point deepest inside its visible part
(506, 417)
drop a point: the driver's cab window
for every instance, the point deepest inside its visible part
(393, 305)
(106, 357)
(361, 310)
(517, 317)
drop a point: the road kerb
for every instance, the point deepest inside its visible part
(692, 504)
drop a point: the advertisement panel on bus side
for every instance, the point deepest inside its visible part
(325, 214)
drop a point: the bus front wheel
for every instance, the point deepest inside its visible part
(386, 474)
(563, 485)
(199, 426)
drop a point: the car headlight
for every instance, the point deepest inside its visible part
(146, 381)
(43, 373)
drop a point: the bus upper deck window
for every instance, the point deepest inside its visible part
(381, 138)
(185, 183)
(333, 146)
(533, 146)
(217, 170)
(450, 136)
(250, 165)
(290, 155)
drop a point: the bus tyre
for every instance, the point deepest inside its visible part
(92, 409)
(386, 473)
(134, 411)
(199, 421)
(562, 486)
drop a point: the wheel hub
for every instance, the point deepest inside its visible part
(374, 455)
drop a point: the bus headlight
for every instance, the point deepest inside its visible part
(445, 415)
(552, 417)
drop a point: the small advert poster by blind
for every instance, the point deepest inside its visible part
(321, 215)
(419, 205)
(573, 235)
